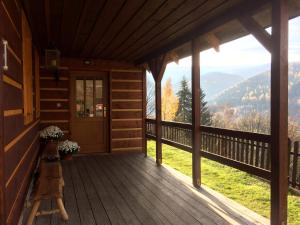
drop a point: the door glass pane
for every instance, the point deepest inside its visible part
(79, 98)
(99, 98)
(89, 98)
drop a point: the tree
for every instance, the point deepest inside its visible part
(169, 102)
(206, 117)
(254, 122)
(184, 113)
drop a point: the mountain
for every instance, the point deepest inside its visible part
(254, 93)
(214, 80)
(214, 83)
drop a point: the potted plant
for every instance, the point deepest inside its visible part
(67, 148)
(51, 133)
(49, 138)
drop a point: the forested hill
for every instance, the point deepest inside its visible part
(254, 93)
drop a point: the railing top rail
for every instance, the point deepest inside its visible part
(238, 134)
(150, 120)
(177, 124)
(219, 131)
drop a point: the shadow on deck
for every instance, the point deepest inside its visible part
(131, 189)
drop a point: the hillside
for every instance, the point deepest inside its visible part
(254, 93)
(214, 83)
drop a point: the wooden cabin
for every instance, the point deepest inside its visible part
(100, 51)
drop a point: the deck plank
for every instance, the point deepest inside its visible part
(137, 197)
(128, 216)
(135, 209)
(111, 209)
(198, 211)
(199, 208)
(169, 200)
(224, 207)
(83, 204)
(99, 212)
(131, 189)
(135, 182)
(69, 196)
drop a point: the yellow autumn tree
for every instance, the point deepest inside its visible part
(169, 102)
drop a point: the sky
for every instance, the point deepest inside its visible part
(246, 51)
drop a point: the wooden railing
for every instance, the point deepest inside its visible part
(246, 151)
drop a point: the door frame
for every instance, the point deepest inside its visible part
(106, 77)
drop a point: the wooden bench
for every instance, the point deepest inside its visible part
(48, 188)
(51, 170)
(50, 153)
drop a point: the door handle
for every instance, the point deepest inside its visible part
(5, 44)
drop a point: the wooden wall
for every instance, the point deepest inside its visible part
(19, 143)
(127, 111)
(126, 95)
(53, 92)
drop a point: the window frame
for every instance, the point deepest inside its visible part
(27, 51)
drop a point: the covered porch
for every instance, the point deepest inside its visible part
(81, 66)
(130, 189)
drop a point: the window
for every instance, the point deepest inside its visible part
(89, 98)
(27, 71)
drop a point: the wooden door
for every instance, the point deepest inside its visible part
(89, 112)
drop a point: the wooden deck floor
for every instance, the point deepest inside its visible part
(130, 189)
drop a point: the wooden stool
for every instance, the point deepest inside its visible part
(50, 170)
(48, 189)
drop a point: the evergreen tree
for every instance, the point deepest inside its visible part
(184, 112)
(206, 117)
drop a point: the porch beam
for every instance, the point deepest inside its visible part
(196, 114)
(213, 41)
(257, 31)
(279, 112)
(157, 67)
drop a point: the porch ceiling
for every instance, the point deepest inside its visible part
(133, 30)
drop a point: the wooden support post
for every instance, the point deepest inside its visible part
(144, 112)
(279, 112)
(196, 113)
(157, 67)
(158, 129)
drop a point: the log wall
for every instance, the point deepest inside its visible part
(19, 142)
(126, 111)
(55, 92)
(126, 105)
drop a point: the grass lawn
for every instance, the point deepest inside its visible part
(239, 186)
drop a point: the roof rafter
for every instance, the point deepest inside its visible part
(236, 12)
(257, 31)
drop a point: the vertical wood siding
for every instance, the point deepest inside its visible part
(19, 143)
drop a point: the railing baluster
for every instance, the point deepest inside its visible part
(295, 164)
(235, 147)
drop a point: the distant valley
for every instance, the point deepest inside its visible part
(244, 89)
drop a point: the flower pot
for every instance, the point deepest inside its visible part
(67, 157)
